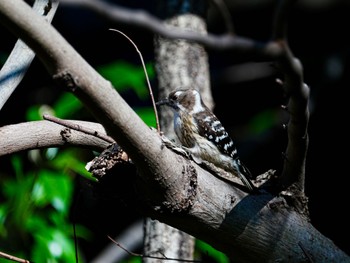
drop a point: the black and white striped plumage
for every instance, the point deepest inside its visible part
(203, 135)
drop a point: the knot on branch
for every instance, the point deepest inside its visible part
(66, 134)
(182, 201)
(65, 80)
(296, 199)
(47, 8)
(103, 163)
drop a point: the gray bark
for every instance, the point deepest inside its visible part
(178, 64)
(181, 64)
(44, 134)
(162, 240)
(174, 190)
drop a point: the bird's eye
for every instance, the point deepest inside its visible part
(174, 96)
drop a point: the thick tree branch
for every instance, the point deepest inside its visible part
(297, 93)
(144, 20)
(44, 134)
(71, 71)
(170, 188)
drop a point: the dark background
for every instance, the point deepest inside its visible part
(318, 37)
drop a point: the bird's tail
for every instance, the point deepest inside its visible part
(245, 175)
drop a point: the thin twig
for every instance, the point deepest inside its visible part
(144, 68)
(146, 256)
(13, 258)
(77, 127)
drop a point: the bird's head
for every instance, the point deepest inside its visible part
(187, 100)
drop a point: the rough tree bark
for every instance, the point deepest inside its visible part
(266, 227)
(178, 64)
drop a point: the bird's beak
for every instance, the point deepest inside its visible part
(163, 102)
(167, 102)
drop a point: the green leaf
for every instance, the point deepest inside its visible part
(212, 252)
(53, 245)
(53, 188)
(67, 160)
(125, 76)
(17, 165)
(36, 223)
(61, 222)
(17, 194)
(64, 107)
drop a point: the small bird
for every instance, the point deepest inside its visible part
(202, 134)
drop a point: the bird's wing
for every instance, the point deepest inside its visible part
(211, 128)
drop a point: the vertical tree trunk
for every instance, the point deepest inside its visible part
(179, 64)
(162, 240)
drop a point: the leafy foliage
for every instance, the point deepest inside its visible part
(35, 214)
(36, 201)
(125, 76)
(208, 252)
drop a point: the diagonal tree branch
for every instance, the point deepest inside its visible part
(169, 187)
(22, 56)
